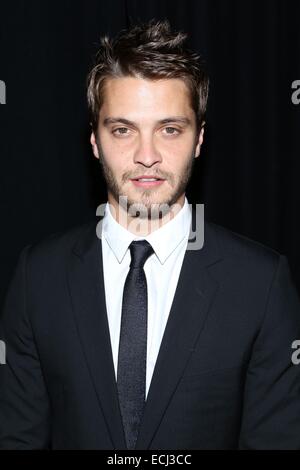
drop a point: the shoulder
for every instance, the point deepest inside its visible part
(55, 248)
(236, 243)
(252, 271)
(243, 255)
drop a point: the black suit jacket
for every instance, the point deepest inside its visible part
(224, 378)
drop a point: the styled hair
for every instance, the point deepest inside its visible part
(151, 51)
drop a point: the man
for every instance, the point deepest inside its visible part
(118, 336)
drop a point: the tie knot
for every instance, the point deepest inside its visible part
(140, 250)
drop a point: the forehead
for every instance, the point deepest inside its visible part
(139, 95)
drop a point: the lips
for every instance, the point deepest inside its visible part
(147, 178)
(147, 181)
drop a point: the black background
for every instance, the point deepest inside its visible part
(248, 172)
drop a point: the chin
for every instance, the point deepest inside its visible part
(159, 205)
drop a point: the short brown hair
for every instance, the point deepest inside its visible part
(152, 51)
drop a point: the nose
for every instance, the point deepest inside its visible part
(147, 152)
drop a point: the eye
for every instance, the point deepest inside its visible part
(173, 130)
(122, 131)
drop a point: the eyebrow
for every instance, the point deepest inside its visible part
(180, 119)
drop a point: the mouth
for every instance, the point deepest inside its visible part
(147, 181)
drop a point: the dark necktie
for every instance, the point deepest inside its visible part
(131, 374)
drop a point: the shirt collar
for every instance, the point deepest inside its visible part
(163, 240)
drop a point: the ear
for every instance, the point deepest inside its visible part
(94, 145)
(200, 141)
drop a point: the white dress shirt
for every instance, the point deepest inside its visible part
(162, 271)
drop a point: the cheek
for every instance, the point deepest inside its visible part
(182, 147)
(116, 152)
(119, 162)
(112, 150)
(177, 157)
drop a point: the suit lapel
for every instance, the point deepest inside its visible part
(194, 295)
(86, 285)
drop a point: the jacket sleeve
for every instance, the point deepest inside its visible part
(24, 403)
(271, 409)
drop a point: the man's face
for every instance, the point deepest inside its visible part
(146, 129)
